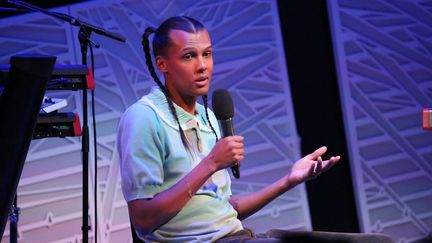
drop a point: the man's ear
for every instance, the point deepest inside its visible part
(161, 64)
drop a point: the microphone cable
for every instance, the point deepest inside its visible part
(94, 146)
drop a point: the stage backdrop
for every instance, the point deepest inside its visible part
(384, 59)
(249, 59)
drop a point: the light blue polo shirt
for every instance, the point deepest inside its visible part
(153, 158)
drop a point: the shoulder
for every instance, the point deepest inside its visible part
(140, 119)
(139, 112)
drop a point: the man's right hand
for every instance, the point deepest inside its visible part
(227, 152)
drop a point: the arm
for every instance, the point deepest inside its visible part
(309, 167)
(148, 214)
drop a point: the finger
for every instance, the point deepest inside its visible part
(334, 159)
(319, 165)
(238, 158)
(317, 153)
(236, 145)
(311, 173)
(315, 167)
(237, 138)
(239, 145)
(234, 139)
(329, 163)
(238, 152)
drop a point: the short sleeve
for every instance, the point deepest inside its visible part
(140, 144)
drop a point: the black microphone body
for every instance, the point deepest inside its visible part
(224, 110)
(227, 127)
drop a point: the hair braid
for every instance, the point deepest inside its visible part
(146, 46)
(204, 97)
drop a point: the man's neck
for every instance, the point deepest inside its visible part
(187, 103)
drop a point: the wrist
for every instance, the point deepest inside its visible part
(286, 184)
(208, 164)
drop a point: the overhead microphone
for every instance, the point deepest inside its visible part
(224, 110)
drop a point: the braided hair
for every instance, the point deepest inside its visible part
(160, 42)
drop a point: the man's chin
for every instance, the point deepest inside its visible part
(202, 91)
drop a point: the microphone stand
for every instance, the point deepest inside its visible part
(84, 38)
(13, 221)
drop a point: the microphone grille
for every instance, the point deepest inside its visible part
(222, 104)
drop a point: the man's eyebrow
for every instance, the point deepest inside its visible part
(189, 49)
(194, 48)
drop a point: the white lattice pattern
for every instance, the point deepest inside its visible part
(384, 57)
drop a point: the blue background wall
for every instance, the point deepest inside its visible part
(383, 52)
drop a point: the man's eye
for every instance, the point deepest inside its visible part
(207, 54)
(187, 56)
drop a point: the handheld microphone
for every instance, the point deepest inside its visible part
(224, 110)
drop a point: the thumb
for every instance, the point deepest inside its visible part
(317, 153)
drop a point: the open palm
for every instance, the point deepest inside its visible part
(310, 166)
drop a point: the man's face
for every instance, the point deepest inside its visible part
(187, 64)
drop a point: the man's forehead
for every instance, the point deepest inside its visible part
(183, 38)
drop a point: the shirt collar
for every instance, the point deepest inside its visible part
(156, 99)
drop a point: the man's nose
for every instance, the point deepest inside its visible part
(202, 66)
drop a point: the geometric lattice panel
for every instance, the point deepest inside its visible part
(384, 59)
(249, 61)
